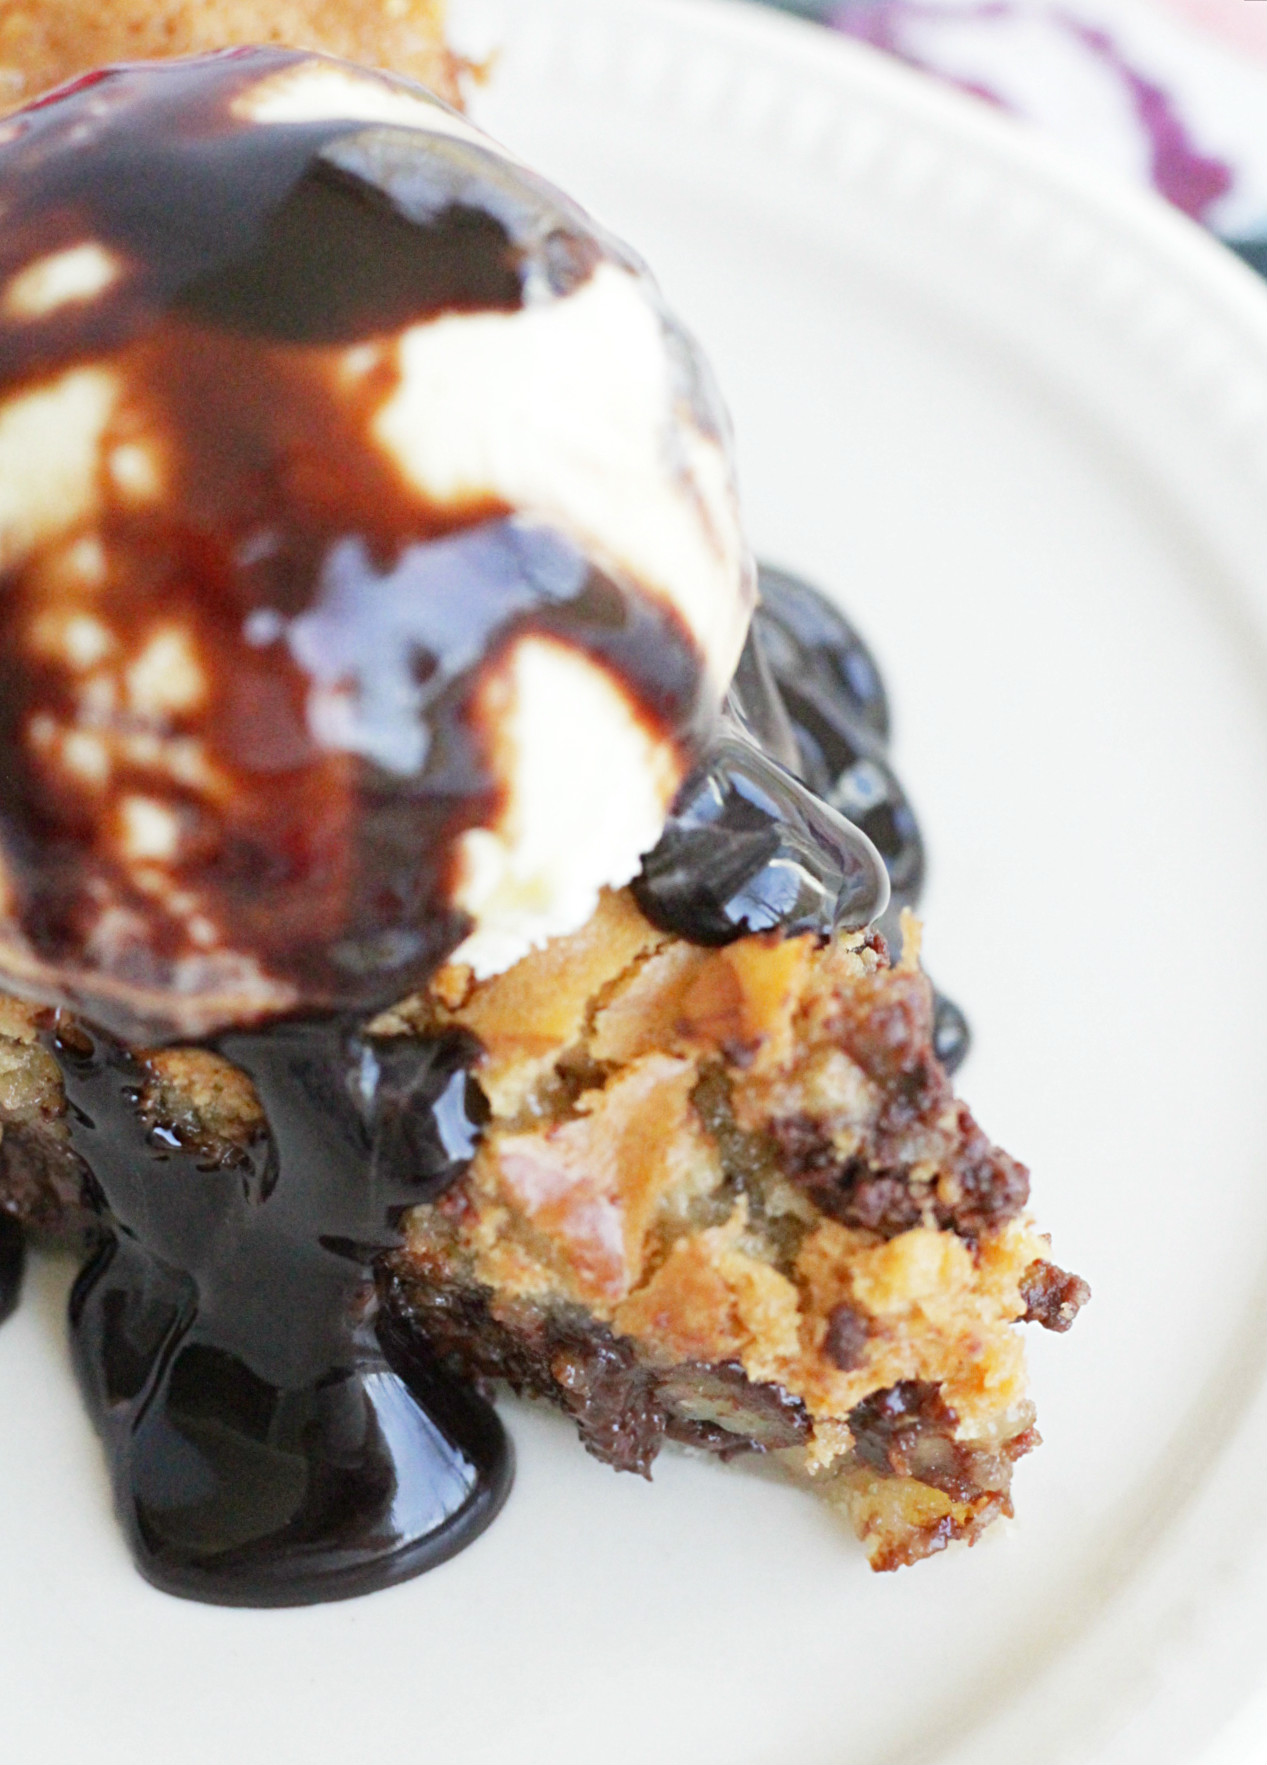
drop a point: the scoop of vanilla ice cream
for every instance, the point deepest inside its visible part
(372, 558)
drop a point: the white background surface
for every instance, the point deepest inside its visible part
(1021, 427)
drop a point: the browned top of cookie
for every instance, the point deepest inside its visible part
(46, 42)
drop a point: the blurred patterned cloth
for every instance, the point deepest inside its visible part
(1171, 93)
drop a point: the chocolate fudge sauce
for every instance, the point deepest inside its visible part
(765, 833)
(271, 1442)
(273, 1438)
(240, 714)
(12, 1264)
(239, 739)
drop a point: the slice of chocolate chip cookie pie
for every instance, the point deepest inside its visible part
(698, 1176)
(724, 1197)
(727, 1197)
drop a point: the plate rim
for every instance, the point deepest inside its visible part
(1220, 284)
(1178, 1696)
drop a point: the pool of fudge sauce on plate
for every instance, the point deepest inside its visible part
(12, 1264)
(272, 1439)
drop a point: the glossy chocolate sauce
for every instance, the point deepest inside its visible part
(271, 1441)
(241, 726)
(242, 661)
(12, 1264)
(310, 736)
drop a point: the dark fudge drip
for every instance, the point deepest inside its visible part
(266, 807)
(270, 1442)
(12, 1264)
(763, 835)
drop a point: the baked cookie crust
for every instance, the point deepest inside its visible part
(724, 1197)
(727, 1197)
(44, 43)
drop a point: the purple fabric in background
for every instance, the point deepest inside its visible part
(1146, 93)
(1181, 173)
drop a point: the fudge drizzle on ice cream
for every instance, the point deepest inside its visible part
(344, 465)
(372, 581)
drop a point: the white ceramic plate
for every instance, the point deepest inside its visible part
(1019, 423)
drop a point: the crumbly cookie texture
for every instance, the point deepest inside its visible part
(45, 42)
(727, 1197)
(724, 1197)
(42, 1182)
(189, 1092)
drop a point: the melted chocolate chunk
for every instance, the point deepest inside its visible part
(272, 1442)
(909, 1431)
(888, 1426)
(12, 1264)
(1053, 1297)
(623, 1407)
(848, 1332)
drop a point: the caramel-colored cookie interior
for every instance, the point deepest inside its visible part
(727, 1196)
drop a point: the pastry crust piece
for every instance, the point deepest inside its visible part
(727, 1197)
(46, 42)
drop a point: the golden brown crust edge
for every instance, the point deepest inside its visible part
(44, 43)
